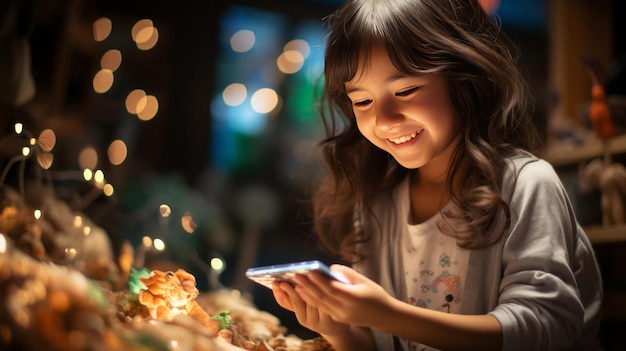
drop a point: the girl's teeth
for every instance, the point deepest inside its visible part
(403, 139)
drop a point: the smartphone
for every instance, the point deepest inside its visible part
(266, 275)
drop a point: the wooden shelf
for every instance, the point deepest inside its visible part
(606, 234)
(572, 155)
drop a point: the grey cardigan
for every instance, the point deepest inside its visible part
(541, 281)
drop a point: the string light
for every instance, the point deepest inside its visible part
(3, 243)
(159, 245)
(18, 127)
(165, 210)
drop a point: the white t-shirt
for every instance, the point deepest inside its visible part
(435, 269)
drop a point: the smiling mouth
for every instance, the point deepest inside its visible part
(405, 138)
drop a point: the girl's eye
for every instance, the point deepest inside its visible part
(362, 103)
(407, 92)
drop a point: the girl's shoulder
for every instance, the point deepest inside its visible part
(526, 170)
(524, 163)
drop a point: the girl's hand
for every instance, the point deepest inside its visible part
(307, 315)
(360, 303)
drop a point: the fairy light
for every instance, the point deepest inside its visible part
(78, 221)
(87, 174)
(86, 230)
(149, 107)
(264, 100)
(3, 243)
(102, 28)
(117, 152)
(103, 81)
(159, 244)
(146, 241)
(111, 60)
(165, 210)
(47, 140)
(25, 151)
(88, 158)
(217, 264)
(98, 176)
(45, 160)
(37, 214)
(32, 141)
(133, 99)
(108, 189)
(19, 128)
(187, 222)
(70, 253)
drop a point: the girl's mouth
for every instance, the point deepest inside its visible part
(405, 138)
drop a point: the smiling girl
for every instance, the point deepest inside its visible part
(458, 236)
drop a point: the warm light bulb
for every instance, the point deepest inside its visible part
(146, 241)
(264, 100)
(159, 244)
(217, 264)
(87, 174)
(165, 210)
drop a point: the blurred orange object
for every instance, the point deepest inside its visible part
(599, 112)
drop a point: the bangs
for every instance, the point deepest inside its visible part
(405, 39)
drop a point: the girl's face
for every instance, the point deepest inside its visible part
(409, 116)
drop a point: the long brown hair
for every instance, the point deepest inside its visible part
(452, 37)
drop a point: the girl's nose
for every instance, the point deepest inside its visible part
(388, 116)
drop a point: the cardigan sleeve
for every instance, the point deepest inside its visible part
(539, 304)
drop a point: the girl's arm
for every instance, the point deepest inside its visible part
(442, 330)
(367, 304)
(359, 338)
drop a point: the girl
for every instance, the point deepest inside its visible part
(459, 237)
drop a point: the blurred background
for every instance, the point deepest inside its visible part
(189, 128)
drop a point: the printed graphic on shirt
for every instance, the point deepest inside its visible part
(435, 284)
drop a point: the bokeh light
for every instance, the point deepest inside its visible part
(147, 107)
(98, 176)
(165, 210)
(243, 40)
(47, 140)
(217, 264)
(87, 174)
(45, 160)
(159, 244)
(102, 28)
(133, 100)
(187, 222)
(152, 35)
(108, 190)
(117, 152)
(234, 94)
(103, 81)
(290, 61)
(18, 127)
(264, 100)
(88, 158)
(111, 60)
(300, 45)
